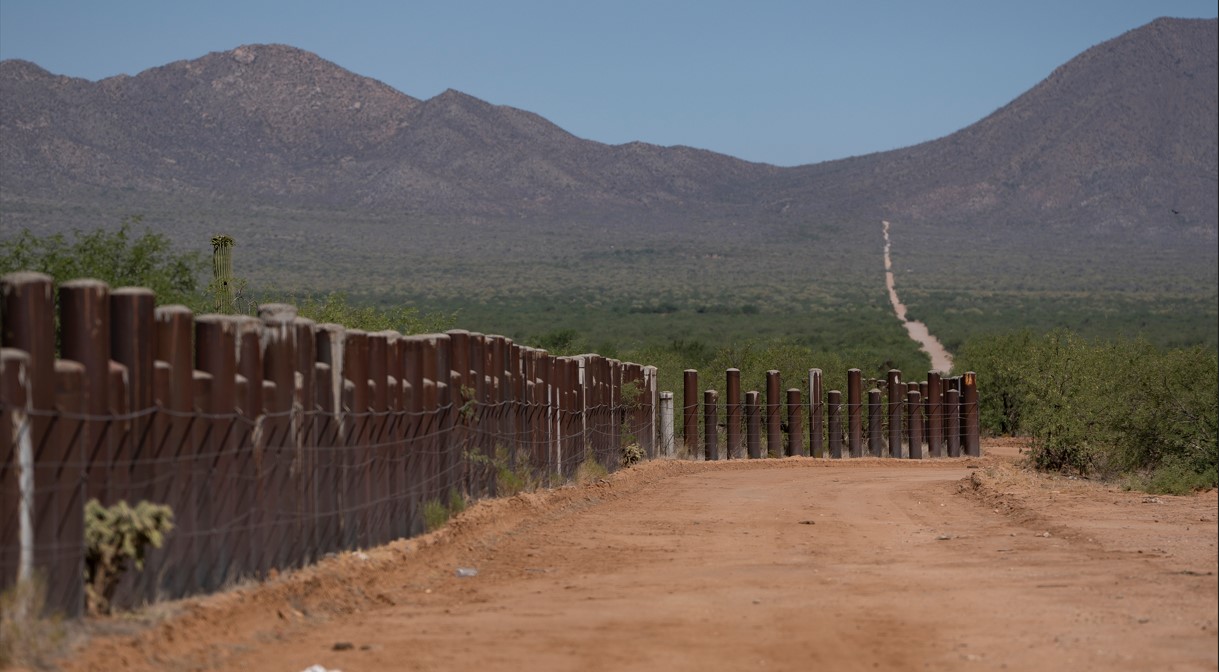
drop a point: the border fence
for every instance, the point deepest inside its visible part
(276, 440)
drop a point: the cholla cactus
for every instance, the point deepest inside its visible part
(115, 535)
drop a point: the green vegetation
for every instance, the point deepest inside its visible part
(118, 257)
(123, 259)
(1103, 408)
(759, 296)
(28, 638)
(436, 513)
(115, 537)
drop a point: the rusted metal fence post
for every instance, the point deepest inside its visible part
(896, 394)
(816, 445)
(279, 456)
(28, 319)
(795, 423)
(753, 425)
(666, 424)
(935, 411)
(732, 412)
(952, 402)
(131, 339)
(969, 398)
(216, 354)
(711, 439)
(690, 411)
(855, 411)
(914, 406)
(84, 318)
(875, 424)
(834, 411)
(774, 414)
(17, 481)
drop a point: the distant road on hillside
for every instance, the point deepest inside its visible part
(940, 359)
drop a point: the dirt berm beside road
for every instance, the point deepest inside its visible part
(865, 564)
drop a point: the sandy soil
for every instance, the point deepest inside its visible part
(866, 564)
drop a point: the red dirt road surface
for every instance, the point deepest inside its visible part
(862, 564)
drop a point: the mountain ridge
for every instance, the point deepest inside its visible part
(1120, 138)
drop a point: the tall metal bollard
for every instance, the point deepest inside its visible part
(689, 415)
(753, 425)
(915, 421)
(711, 438)
(969, 398)
(732, 412)
(816, 445)
(84, 317)
(952, 403)
(875, 424)
(855, 411)
(795, 423)
(774, 415)
(897, 395)
(935, 414)
(666, 425)
(834, 411)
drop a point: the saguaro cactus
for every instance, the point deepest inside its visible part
(222, 274)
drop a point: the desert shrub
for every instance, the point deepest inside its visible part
(1000, 359)
(590, 471)
(29, 638)
(1103, 407)
(435, 514)
(632, 454)
(116, 537)
(119, 258)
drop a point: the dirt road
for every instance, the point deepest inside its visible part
(863, 564)
(941, 360)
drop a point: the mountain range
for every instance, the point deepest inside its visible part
(1120, 139)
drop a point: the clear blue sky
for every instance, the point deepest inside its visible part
(775, 81)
